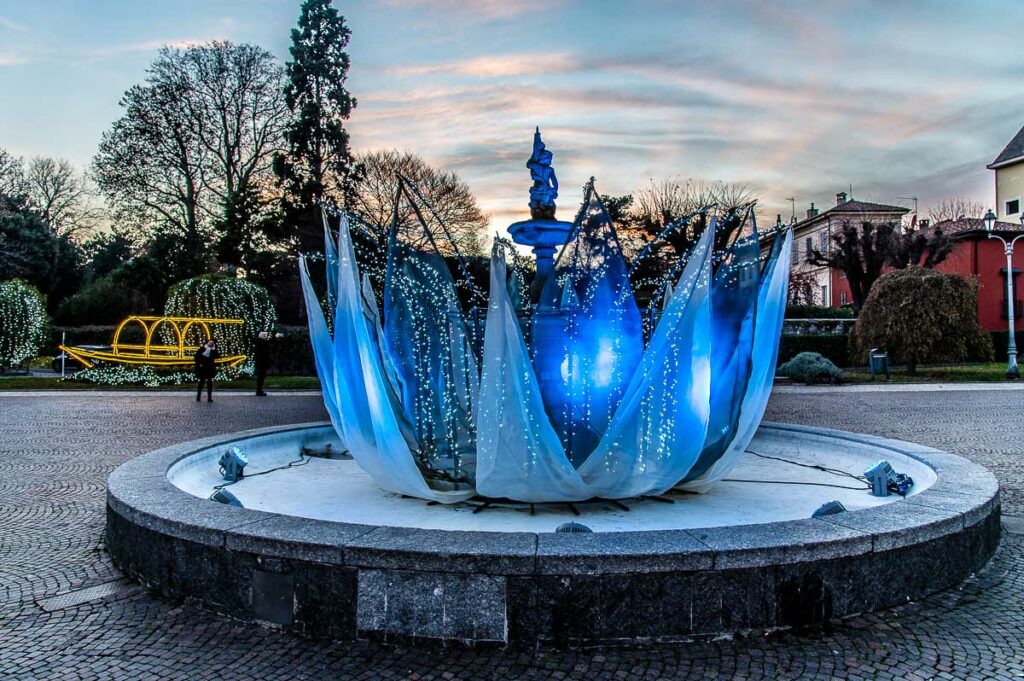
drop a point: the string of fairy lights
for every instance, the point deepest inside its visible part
(432, 334)
(23, 323)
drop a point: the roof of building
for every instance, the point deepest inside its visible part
(847, 208)
(854, 206)
(1014, 151)
(966, 226)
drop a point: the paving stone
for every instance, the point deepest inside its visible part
(52, 519)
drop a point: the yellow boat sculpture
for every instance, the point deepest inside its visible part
(155, 354)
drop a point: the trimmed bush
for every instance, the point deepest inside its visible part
(106, 300)
(810, 367)
(833, 347)
(818, 312)
(922, 316)
(212, 295)
(24, 324)
(1000, 341)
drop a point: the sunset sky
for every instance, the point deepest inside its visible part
(899, 99)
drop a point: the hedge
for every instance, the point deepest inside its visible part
(831, 346)
(818, 312)
(293, 355)
(1000, 339)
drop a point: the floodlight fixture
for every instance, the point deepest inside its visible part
(225, 497)
(829, 508)
(232, 464)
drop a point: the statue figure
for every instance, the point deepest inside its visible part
(545, 185)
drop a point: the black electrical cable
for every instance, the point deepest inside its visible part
(824, 469)
(301, 461)
(797, 482)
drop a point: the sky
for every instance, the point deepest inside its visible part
(796, 99)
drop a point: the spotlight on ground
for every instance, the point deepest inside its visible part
(226, 497)
(232, 464)
(829, 508)
(573, 528)
(884, 480)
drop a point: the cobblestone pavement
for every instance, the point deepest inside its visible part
(55, 453)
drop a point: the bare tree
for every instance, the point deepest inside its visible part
(956, 208)
(659, 204)
(62, 195)
(862, 253)
(452, 199)
(149, 167)
(191, 156)
(235, 111)
(12, 175)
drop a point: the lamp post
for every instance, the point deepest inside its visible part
(1012, 371)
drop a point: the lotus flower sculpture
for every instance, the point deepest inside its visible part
(438, 399)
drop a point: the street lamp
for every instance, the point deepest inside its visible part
(1012, 371)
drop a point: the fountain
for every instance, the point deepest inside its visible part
(542, 230)
(569, 468)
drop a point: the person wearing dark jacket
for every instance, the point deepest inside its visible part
(262, 359)
(206, 368)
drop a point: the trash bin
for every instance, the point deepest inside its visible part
(878, 360)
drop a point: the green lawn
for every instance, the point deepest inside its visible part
(47, 383)
(967, 373)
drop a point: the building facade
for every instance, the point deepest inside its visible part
(1009, 179)
(976, 256)
(822, 285)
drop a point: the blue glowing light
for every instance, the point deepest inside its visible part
(436, 402)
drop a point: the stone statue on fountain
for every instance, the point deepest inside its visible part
(542, 230)
(545, 185)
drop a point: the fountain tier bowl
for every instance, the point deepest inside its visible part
(320, 550)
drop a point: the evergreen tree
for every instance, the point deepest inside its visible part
(318, 162)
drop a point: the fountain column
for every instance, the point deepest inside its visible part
(542, 230)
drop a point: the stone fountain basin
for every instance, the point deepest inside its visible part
(320, 550)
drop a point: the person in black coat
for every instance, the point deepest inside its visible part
(262, 359)
(206, 368)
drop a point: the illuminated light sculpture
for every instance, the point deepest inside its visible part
(584, 410)
(156, 354)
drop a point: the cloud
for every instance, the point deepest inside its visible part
(12, 25)
(480, 9)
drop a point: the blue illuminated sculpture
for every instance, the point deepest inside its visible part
(440, 399)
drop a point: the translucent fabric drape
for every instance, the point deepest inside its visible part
(519, 454)
(662, 421)
(425, 338)
(658, 428)
(662, 428)
(586, 337)
(771, 310)
(361, 399)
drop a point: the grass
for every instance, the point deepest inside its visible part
(962, 373)
(47, 383)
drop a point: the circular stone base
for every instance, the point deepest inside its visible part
(364, 563)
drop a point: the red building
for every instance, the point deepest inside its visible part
(975, 255)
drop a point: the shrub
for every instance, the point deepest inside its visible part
(1001, 341)
(922, 316)
(106, 300)
(832, 346)
(212, 295)
(818, 312)
(810, 367)
(24, 325)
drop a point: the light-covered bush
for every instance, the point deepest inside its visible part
(810, 367)
(922, 316)
(23, 323)
(212, 295)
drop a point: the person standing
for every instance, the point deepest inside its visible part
(262, 360)
(206, 368)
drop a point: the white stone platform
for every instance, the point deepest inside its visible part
(338, 490)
